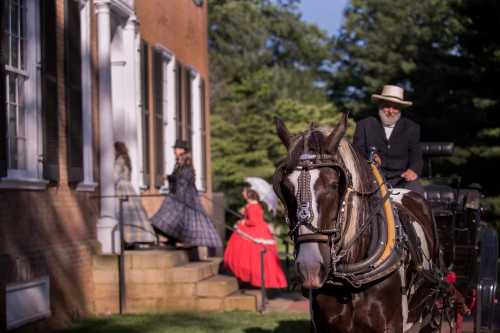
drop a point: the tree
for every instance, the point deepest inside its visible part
(446, 55)
(265, 62)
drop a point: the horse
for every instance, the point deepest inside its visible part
(359, 276)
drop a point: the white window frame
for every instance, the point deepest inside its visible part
(197, 128)
(169, 116)
(30, 177)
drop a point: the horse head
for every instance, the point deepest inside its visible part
(311, 183)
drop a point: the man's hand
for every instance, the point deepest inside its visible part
(409, 175)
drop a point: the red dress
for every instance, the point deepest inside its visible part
(242, 254)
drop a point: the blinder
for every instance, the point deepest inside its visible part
(305, 214)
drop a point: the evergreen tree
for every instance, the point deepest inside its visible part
(265, 62)
(446, 56)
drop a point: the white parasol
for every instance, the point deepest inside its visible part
(265, 192)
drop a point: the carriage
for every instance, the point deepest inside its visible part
(469, 244)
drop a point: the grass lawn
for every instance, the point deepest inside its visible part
(245, 322)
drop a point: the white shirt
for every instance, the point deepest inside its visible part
(388, 131)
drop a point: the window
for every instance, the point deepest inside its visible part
(166, 111)
(179, 108)
(49, 92)
(16, 75)
(145, 112)
(21, 149)
(160, 86)
(190, 118)
(73, 93)
(184, 102)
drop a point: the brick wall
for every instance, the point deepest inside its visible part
(50, 232)
(53, 232)
(182, 28)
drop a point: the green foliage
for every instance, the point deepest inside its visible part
(265, 62)
(446, 55)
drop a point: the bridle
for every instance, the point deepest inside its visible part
(334, 235)
(305, 214)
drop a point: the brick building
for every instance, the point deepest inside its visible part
(77, 75)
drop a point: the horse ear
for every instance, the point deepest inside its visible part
(282, 131)
(337, 134)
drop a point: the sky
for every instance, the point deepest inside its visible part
(327, 14)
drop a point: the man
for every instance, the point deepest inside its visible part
(395, 138)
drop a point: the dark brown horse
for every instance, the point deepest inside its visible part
(358, 281)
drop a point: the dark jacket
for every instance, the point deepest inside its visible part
(182, 180)
(401, 152)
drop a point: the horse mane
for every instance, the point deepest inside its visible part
(361, 178)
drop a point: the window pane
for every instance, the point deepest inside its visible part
(22, 21)
(15, 50)
(14, 18)
(5, 46)
(21, 153)
(22, 53)
(12, 89)
(12, 125)
(20, 107)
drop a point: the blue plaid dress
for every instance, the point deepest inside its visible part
(181, 214)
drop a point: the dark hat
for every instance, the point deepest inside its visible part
(181, 144)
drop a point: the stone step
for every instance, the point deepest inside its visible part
(257, 294)
(151, 259)
(240, 301)
(217, 286)
(194, 271)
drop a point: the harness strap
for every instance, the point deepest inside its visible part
(308, 238)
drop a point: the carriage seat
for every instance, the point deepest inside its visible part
(443, 195)
(440, 194)
(432, 149)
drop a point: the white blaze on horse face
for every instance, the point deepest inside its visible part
(309, 257)
(294, 179)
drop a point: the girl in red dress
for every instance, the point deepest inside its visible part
(242, 255)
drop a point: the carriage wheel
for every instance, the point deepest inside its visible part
(485, 315)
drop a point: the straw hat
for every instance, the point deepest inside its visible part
(392, 94)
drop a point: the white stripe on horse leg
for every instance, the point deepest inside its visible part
(423, 242)
(404, 300)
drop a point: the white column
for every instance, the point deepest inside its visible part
(130, 102)
(88, 183)
(107, 220)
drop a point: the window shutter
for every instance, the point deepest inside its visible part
(188, 106)
(158, 112)
(178, 101)
(204, 172)
(3, 110)
(49, 92)
(73, 70)
(145, 112)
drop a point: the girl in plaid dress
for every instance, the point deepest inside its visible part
(181, 215)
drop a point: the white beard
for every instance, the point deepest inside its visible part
(388, 121)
